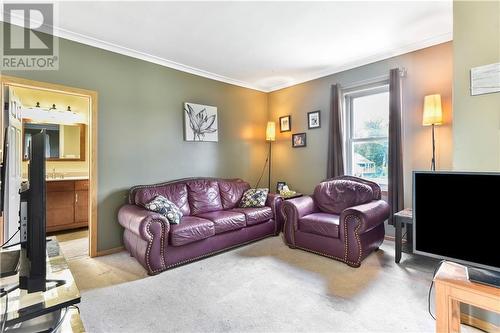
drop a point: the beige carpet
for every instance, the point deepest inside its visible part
(263, 287)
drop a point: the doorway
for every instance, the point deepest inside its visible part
(69, 116)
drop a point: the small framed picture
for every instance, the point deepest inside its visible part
(314, 119)
(298, 140)
(279, 186)
(285, 124)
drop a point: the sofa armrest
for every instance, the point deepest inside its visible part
(145, 236)
(292, 211)
(370, 215)
(137, 220)
(274, 200)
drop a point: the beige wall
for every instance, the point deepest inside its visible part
(70, 139)
(476, 129)
(429, 71)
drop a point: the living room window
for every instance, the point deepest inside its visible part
(367, 132)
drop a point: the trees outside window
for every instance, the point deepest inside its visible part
(367, 132)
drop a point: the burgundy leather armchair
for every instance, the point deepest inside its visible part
(212, 221)
(342, 220)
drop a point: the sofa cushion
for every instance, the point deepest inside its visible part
(176, 193)
(203, 196)
(191, 229)
(165, 207)
(255, 215)
(323, 224)
(254, 197)
(336, 195)
(231, 192)
(225, 220)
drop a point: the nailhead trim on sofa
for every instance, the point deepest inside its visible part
(162, 250)
(150, 245)
(215, 252)
(163, 241)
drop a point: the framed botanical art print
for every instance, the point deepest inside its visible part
(200, 122)
(299, 140)
(285, 124)
(314, 119)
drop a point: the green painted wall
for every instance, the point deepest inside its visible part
(140, 136)
(476, 119)
(476, 128)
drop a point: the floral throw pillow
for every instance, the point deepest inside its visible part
(165, 207)
(254, 197)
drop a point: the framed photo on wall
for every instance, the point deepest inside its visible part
(314, 119)
(285, 124)
(299, 140)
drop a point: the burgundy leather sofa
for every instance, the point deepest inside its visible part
(343, 220)
(212, 221)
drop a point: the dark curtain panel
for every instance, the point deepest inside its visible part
(395, 172)
(335, 161)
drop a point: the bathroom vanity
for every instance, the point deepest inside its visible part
(67, 203)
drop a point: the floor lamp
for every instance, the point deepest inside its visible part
(270, 137)
(433, 115)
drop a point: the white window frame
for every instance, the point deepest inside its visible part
(348, 96)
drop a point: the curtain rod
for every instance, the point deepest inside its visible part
(373, 80)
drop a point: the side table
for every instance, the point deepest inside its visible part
(295, 195)
(23, 308)
(404, 217)
(452, 288)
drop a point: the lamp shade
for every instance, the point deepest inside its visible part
(433, 113)
(271, 131)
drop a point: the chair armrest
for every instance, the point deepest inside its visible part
(292, 211)
(362, 229)
(370, 215)
(274, 200)
(139, 220)
(300, 206)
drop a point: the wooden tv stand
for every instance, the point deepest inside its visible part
(453, 288)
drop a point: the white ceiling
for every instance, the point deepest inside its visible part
(261, 45)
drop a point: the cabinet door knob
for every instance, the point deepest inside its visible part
(76, 197)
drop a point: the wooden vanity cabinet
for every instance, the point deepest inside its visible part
(67, 204)
(81, 201)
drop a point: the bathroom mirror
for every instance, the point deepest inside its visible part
(64, 142)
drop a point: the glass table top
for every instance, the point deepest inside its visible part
(23, 306)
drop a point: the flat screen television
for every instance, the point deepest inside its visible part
(32, 274)
(456, 217)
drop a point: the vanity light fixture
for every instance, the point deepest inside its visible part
(53, 115)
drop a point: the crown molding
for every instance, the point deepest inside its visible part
(439, 39)
(95, 42)
(98, 43)
(101, 44)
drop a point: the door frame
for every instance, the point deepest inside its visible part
(93, 123)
